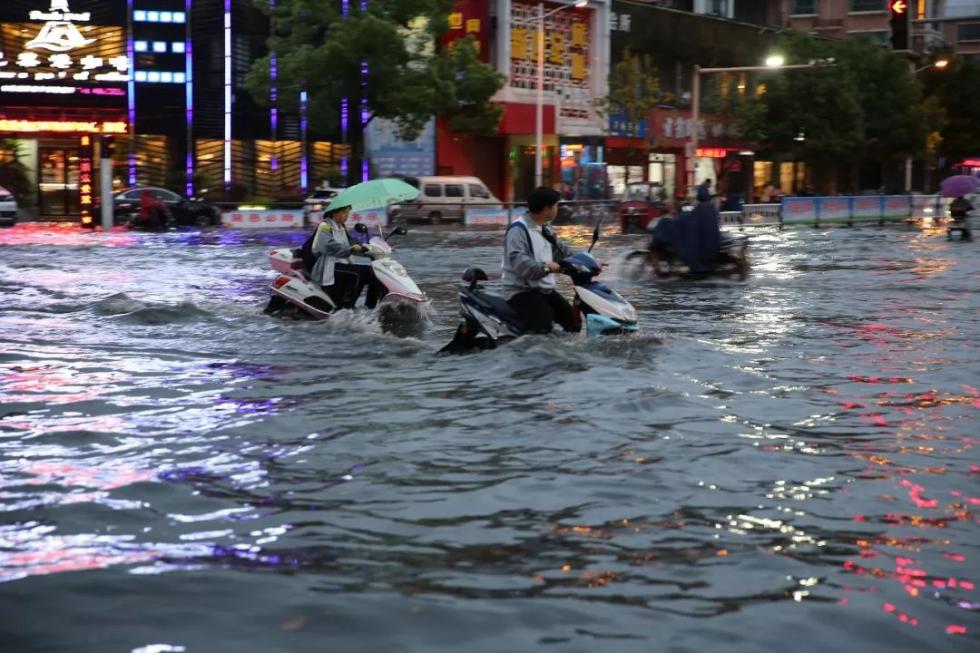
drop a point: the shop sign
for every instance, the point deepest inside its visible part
(711, 152)
(469, 18)
(60, 52)
(62, 126)
(85, 178)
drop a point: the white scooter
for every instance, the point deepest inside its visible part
(295, 296)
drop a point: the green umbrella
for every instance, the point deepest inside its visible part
(374, 194)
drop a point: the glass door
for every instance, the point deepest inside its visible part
(58, 181)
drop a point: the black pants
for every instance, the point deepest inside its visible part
(349, 281)
(540, 310)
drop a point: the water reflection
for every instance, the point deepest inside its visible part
(762, 459)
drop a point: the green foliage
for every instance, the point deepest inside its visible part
(409, 80)
(957, 92)
(634, 90)
(869, 105)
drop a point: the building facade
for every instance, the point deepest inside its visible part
(166, 80)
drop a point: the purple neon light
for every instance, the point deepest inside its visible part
(227, 152)
(303, 162)
(131, 90)
(189, 100)
(344, 112)
(273, 95)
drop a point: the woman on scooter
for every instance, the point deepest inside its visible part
(332, 246)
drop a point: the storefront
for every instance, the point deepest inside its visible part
(721, 155)
(583, 168)
(64, 73)
(575, 70)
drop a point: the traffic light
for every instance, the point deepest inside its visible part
(898, 11)
(108, 146)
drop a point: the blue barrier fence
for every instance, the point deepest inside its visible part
(845, 209)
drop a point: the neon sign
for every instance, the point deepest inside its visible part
(712, 152)
(63, 126)
(85, 178)
(58, 57)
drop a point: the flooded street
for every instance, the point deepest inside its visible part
(786, 461)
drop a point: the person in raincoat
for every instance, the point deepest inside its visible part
(694, 236)
(331, 248)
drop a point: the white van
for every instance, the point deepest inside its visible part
(444, 199)
(8, 208)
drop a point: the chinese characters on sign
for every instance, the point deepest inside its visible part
(469, 18)
(567, 56)
(62, 52)
(619, 22)
(85, 178)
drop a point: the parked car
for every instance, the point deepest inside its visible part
(640, 206)
(444, 199)
(317, 201)
(183, 212)
(8, 208)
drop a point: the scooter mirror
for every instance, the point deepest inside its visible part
(595, 235)
(361, 228)
(400, 231)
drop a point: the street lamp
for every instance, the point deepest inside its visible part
(773, 62)
(539, 109)
(938, 64)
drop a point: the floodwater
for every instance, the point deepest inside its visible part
(788, 463)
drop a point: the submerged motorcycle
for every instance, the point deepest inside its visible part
(732, 261)
(489, 320)
(295, 295)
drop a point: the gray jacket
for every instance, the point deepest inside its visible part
(330, 245)
(526, 254)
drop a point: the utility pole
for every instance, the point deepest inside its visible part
(106, 150)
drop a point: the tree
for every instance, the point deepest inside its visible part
(867, 108)
(956, 90)
(407, 79)
(634, 90)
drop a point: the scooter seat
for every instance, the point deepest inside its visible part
(497, 304)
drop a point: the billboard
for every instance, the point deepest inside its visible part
(63, 53)
(392, 155)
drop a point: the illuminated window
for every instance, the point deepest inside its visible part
(179, 17)
(153, 16)
(180, 78)
(166, 77)
(166, 17)
(140, 76)
(139, 15)
(140, 46)
(153, 76)
(159, 46)
(177, 47)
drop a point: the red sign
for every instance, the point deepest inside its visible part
(712, 152)
(85, 178)
(898, 6)
(469, 17)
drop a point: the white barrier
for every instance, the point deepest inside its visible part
(262, 218)
(372, 218)
(760, 214)
(486, 217)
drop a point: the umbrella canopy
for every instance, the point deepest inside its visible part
(959, 185)
(374, 194)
